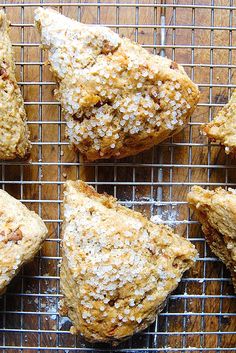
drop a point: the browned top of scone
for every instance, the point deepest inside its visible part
(117, 267)
(223, 127)
(21, 235)
(216, 210)
(14, 133)
(117, 98)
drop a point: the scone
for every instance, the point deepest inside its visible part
(21, 235)
(223, 127)
(117, 99)
(117, 266)
(14, 133)
(216, 210)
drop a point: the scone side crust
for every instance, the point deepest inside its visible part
(216, 211)
(14, 133)
(128, 309)
(223, 127)
(218, 246)
(21, 234)
(118, 102)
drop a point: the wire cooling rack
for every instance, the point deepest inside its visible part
(199, 316)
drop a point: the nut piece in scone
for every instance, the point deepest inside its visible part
(117, 98)
(14, 133)
(21, 234)
(223, 127)
(117, 266)
(216, 210)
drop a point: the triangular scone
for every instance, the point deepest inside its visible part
(216, 210)
(21, 234)
(117, 98)
(223, 127)
(117, 266)
(14, 133)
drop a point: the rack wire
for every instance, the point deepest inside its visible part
(199, 316)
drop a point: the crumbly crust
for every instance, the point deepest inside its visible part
(216, 210)
(117, 266)
(223, 127)
(21, 235)
(14, 133)
(117, 99)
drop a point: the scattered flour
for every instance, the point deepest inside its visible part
(169, 217)
(156, 219)
(62, 321)
(50, 307)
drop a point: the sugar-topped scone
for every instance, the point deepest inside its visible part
(223, 127)
(117, 98)
(21, 234)
(117, 266)
(14, 133)
(216, 210)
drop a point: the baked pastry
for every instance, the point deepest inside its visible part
(117, 99)
(223, 127)
(21, 235)
(14, 133)
(117, 266)
(216, 210)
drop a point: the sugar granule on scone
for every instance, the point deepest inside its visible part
(117, 266)
(118, 99)
(223, 127)
(216, 210)
(14, 133)
(21, 235)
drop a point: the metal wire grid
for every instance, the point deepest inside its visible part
(200, 315)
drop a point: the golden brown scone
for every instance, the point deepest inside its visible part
(14, 133)
(21, 235)
(223, 127)
(216, 210)
(117, 98)
(117, 266)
